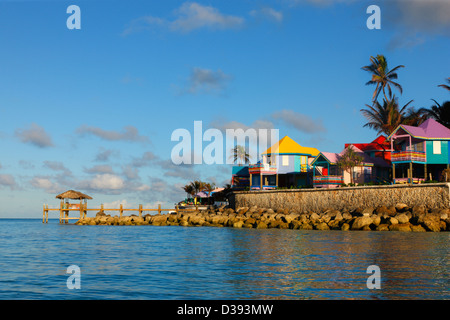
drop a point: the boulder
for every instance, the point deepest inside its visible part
(382, 227)
(314, 217)
(322, 226)
(401, 207)
(289, 217)
(283, 225)
(402, 218)
(382, 210)
(392, 211)
(393, 220)
(306, 226)
(444, 214)
(346, 216)
(334, 224)
(418, 228)
(361, 222)
(376, 220)
(431, 222)
(345, 227)
(261, 225)
(400, 227)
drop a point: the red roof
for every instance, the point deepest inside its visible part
(379, 144)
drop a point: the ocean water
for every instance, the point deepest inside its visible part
(151, 262)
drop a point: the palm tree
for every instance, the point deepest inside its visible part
(239, 155)
(445, 86)
(439, 113)
(348, 160)
(189, 189)
(385, 118)
(382, 77)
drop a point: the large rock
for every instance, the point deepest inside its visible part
(314, 217)
(347, 216)
(361, 222)
(418, 228)
(382, 227)
(322, 226)
(402, 218)
(400, 227)
(431, 222)
(401, 207)
(261, 225)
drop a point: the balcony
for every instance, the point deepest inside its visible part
(409, 156)
(327, 181)
(260, 168)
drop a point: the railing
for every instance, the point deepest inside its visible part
(257, 168)
(408, 180)
(82, 209)
(408, 156)
(327, 181)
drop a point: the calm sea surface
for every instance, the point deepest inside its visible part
(149, 262)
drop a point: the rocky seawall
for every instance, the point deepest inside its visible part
(431, 195)
(400, 217)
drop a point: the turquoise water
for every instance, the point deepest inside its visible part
(149, 262)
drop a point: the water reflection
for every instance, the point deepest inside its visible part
(218, 263)
(332, 265)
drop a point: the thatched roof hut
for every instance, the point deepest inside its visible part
(72, 194)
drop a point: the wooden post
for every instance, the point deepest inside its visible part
(121, 211)
(43, 215)
(425, 172)
(140, 211)
(393, 172)
(101, 208)
(411, 172)
(260, 180)
(250, 181)
(60, 211)
(159, 208)
(46, 214)
(81, 209)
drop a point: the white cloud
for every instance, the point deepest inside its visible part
(298, 121)
(35, 135)
(206, 81)
(99, 169)
(7, 180)
(130, 133)
(106, 181)
(267, 13)
(46, 184)
(57, 166)
(193, 16)
(189, 16)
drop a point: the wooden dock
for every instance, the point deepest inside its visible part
(82, 209)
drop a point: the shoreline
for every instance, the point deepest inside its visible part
(400, 217)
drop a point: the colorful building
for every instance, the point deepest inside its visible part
(240, 177)
(378, 148)
(373, 168)
(285, 164)
(421, 152)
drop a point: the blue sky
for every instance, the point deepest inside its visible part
(94, 109)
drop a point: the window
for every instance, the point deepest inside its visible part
(285, 160)
(418, 146)
(436, 147)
